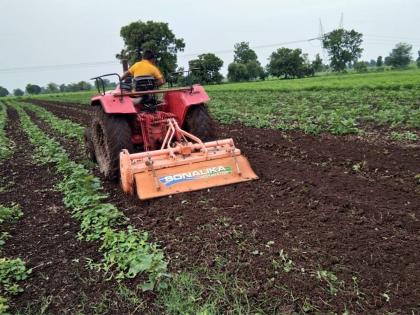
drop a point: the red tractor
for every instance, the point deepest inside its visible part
(138, 130)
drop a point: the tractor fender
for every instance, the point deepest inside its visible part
(178, 102)
(114, 104)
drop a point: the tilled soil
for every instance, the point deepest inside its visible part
(336, 206)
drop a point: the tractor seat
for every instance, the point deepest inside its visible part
(144, 83)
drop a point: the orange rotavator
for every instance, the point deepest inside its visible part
(136, 136)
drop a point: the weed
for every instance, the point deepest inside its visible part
(224, 221)
(10, 214)
(358, 167)
(285, 263)
(3, 237)
(307, 306)
(404, 136)
(386, 296)
(133, 254)
(356, 288)
(45, 302)
(11, 272)
(333, 283)
(209, 293)
(4, 305)
(130, 296)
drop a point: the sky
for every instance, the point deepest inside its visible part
(65, 41)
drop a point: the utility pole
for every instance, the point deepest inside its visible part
(341, 25)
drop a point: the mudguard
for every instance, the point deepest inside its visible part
(178, 102)
(114, 104)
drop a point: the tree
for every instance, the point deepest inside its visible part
(18, 92)
(361, 66)
(317, 64)
(84, 86)
(400, 56)
(139, 36)
(286, 62)
(33, 89)
(249, 69)
(207, 68)
(237, 72)
(379, 61)
(243, 53)
(343, 47)
(254, 70)
(418, 59)
(52, 88)
(3, 92)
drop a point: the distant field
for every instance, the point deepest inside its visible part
(338, 104)
(372, 80)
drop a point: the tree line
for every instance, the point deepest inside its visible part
(343, 48)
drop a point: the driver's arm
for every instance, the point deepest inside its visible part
(160, 81)
(125, 75)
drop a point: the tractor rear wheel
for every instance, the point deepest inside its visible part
(90, 150)
(110, 134)
(199, 123)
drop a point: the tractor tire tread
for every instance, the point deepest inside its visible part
(117, 136)
(199, 122)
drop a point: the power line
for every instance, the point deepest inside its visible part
(372, 39)
(54, 67)
(114, 62)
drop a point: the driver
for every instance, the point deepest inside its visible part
(145, 67)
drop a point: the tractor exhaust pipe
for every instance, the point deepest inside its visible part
(125, 65)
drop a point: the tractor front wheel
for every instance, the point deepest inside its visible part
(199, 123)
(110, 135)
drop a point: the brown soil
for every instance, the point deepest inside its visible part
(341, 204)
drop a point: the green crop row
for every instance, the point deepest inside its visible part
(12, 271)
(314, 112)
(8, 215)
(64, 126)
(127, 252)
(5, 145)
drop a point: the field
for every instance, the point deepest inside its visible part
(331, 226)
